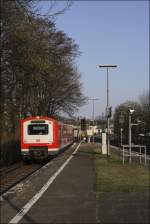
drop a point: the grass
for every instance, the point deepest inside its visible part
(113, 176)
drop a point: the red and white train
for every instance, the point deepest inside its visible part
(43, 136)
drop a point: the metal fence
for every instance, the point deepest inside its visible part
(130, 153)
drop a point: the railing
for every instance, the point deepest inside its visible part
(130, 153)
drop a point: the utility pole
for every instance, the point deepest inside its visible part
(108, 108)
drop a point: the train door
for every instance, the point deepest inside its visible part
(37, 131)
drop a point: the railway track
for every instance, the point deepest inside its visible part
(11, 176)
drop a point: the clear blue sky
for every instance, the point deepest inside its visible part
(109, 32)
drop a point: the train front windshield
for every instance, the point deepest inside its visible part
(38, 129)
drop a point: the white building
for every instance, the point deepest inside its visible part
(93, 130)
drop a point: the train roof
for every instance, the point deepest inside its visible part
(38, 118)
(44, 118)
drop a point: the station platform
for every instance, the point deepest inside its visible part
(71, 196)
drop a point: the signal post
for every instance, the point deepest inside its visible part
(83, 127)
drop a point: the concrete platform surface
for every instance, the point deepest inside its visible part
(71, 197)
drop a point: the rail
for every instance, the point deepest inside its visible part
(12, 176)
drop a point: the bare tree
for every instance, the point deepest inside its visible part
(38, 70)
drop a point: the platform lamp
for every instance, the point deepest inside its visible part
(108, 108)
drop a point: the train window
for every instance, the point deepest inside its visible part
(37, 129)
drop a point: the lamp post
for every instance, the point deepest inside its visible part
(93, 99)
(121, 130)
(131, 111)
(108, 106)
(130, 134)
